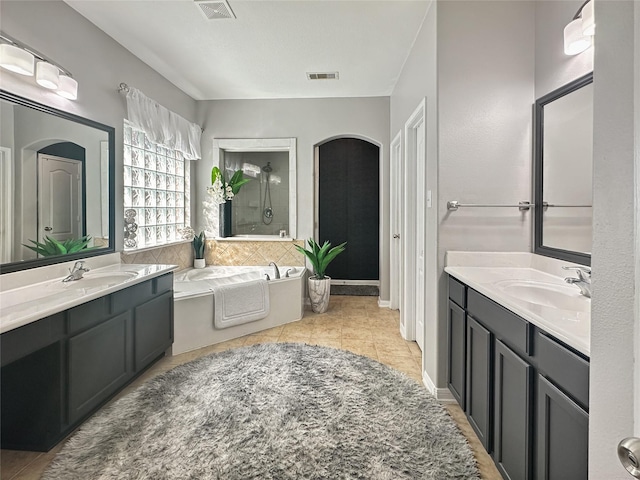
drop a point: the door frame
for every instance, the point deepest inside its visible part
(6, 213)
(416, 120)
(316, 204)
(396, 162)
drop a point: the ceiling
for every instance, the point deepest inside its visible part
(268, 49)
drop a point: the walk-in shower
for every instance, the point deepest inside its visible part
(261, 207)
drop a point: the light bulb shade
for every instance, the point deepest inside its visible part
(574, 41)
(16, 60)
(68, 87)
(588, 19)
(47, 75)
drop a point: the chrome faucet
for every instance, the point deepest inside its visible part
(583, 281)
(76, 272)
(276, 272)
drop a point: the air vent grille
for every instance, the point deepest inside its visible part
(323, 75)
(215, 10)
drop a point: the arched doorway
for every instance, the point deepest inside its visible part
(348, 201)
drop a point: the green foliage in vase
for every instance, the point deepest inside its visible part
(237, 180)
(198, 245)
(51, 246)
(319, 256)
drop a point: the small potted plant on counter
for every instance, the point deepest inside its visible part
(198, 250)
(319, 283)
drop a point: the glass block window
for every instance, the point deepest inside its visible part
(156, 191)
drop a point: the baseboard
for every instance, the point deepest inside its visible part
(443, 395)
(384, 303)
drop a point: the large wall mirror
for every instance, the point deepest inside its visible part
(563, 172)
(57, 177)
(266, 205)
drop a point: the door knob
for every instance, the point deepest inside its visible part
(47, 229)
(629, 455)
(396, 235)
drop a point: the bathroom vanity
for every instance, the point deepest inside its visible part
(521, 379)
(59, 369)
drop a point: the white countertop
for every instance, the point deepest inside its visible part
(571, 327)
(29, 303)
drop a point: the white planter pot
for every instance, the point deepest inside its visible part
(319, 291)
(199, 263)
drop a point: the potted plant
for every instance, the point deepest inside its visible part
(198, 250)
(319, 283)
(51, 246)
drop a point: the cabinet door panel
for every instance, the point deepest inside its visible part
(457, 332)
(512, 452)
(563, 435)
(153, 329)
(479, 381)
(99, 363)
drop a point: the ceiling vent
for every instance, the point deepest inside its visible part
(323, 76)
(215, 10)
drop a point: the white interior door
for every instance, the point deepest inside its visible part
(59, 198)
(412, 308)
(397, 176)
(420, 232)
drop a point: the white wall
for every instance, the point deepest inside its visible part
(486, 89)
(612, 307)
(311, 121)
(553, 68)
(418, 81)
(96, 61)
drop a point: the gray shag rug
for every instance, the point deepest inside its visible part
(273, 411)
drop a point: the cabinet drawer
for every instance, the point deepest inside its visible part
(566, 368)
(505, 325)
(163, 284)
(88, 315)
(457, 292)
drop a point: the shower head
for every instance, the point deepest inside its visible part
(267, 168)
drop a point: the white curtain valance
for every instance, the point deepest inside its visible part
(163, 126)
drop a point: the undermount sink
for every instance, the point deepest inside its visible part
(552, 295)
(94, 280)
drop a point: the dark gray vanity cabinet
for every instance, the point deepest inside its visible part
(57, 371)
(513, 400)
(526, 394)
(479, 378)
(457, 357)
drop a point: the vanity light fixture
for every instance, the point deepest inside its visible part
(578, 34)
(68, 87)
(16, 60)
(19, 58)
(47, 75)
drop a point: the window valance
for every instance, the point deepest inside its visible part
(163, 126)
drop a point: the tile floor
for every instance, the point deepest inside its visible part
(356, 324)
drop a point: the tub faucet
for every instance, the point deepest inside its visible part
(276, 272)
(583, 281)
(76, 272)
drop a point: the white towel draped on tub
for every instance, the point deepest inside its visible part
(238, 303)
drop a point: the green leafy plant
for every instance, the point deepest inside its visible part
(51, 246)
(237, 180)
(319, 256)
(198, 245)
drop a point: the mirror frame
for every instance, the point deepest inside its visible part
(538, 162)
(44, 261)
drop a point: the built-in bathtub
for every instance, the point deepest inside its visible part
(194, 303)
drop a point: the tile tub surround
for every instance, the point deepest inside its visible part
(356, 324)
(483, 270)
(180, 254)
(258, 253)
